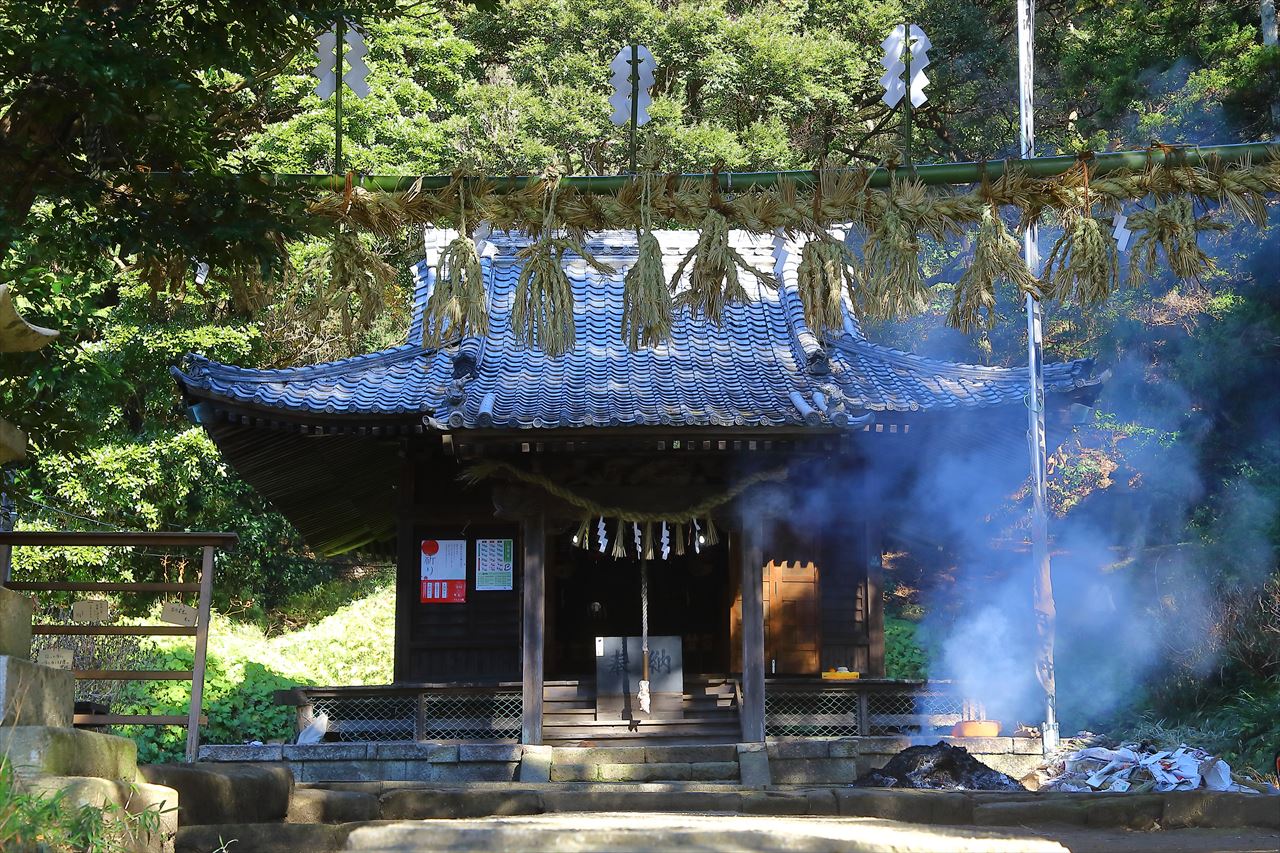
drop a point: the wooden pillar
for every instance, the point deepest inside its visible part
(408, 561)
(196, 708)
(751, 557)
(533, 534)
(875, 601)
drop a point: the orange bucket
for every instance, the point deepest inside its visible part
(976, 728)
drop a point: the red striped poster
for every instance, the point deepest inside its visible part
(444, 571)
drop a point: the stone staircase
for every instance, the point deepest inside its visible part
(48, 755)
(708, 715)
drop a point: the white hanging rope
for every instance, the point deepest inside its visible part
(643, 693)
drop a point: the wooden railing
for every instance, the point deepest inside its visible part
(202, 589)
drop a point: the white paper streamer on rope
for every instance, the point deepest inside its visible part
(894, 86)
(666, 541)
(697, 537)
(326, 59)
(635, 527)
(1121, 233)
(356, 75)
(620, 100)
(602, 534)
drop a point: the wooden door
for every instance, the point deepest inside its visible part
(791, 618)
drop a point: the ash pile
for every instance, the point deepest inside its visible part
(1139, 768)
(941, 767)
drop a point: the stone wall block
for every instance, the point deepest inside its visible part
(34, 695)
(15, 624)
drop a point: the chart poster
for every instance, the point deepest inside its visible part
(495, 564)
(444, 571)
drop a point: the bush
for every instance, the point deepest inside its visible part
(903, 655)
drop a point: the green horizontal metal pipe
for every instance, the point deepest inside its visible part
(936, 174)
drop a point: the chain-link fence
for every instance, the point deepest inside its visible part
(859, 710)
(377, 715)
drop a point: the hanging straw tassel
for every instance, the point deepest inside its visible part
(894, 286)
(713, 280)
(458, 302)
(647, 541)
(646, 297)
(711, 536)
(678, 540)
(1083, 265)
(997, 256)
(1173, 228)
(824, 269)
(619, 542)
(583, 537)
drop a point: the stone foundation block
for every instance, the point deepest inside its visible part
(535, 765)
(813, 771)
(690, 754)
(976, 745)
(1131, 811)
(225, 793)
(666, 772)
(822, 801)
(843, 749)
(327, 751)
(263, 838)
(242, 752)
(714, 771)
(574, 772)
(489, 752)
(905, 806)
(133, 797)
(315, 805)
(750, 747)
(33, 695)
(807, 748)
(1010, 764)
(775, 803)
(598, 755)
(1220, 809)
(69, 752)
(15, 624)
(350, 771)
(1028, 746)
(470, 771)
(1031, 813)
(425, 804)
(754, 769)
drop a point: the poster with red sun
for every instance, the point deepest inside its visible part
(444, 571)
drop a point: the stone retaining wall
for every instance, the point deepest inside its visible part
(372, 762)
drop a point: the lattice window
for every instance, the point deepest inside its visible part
(471, 716)
(816, 713)
(368, 718)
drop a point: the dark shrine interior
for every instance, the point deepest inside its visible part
(591, 595)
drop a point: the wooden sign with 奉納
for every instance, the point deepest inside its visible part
(91, 610)
(55, 658)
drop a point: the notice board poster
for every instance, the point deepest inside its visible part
(495, 564)
(444, 571)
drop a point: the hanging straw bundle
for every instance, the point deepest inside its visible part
(350, 270)
(459, 300)
(1172, 227)
(996, 257)
(893, 285)
(825, 268)
(713, 280)
(542, 306)
(1083, 265)
(646, 296)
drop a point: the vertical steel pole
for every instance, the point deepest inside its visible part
(1042, 595)
(635, 102)
(340, 46)
(906, 100)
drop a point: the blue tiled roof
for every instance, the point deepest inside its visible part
(761, 367)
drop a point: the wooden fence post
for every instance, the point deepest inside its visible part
(202, 644)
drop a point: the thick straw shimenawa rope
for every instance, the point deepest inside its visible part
(1082, 266)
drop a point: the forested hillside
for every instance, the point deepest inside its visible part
(779, 84)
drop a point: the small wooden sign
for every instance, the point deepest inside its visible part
(55, 658)
(176, 613)
(91, 610)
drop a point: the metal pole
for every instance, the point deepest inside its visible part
(1042, 595)
(906, 100)
(340, 45)
(635, 101)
